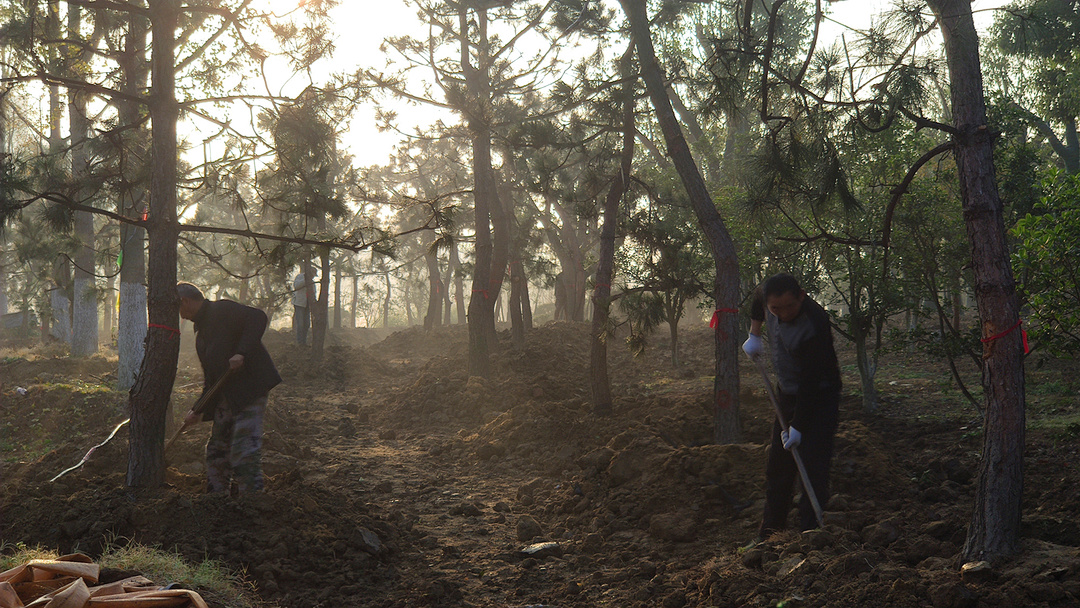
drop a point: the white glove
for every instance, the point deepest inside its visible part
(791, 438)
(754, 346)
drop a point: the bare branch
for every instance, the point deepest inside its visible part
(122, 7)
(898, 192)
(827, 237)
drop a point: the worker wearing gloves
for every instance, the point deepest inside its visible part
(803, 356)
(228, 335)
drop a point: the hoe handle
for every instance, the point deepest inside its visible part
(200, 405)
(803, 476)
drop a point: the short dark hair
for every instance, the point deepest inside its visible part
(189, 291)
(779, 284)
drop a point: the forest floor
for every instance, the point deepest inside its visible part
(395, 479)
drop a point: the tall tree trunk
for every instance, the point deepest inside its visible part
(386, 302)
(526, 303)
(45, 315)
(355, 300)
(56, 111)
(3, 275)
(459, 284)
(673, 335)
(433, 318)
(570, 287)
(447, 281)
(570, 249)
(3, 131)
(738, 128)
(727, 426)
(1071, 152)
(500, 255)
(957, 299)
(149, 396)
(994, 531)
(58, 322)
(605, 266)
(337, 295)
(3, 160)
(579, 287)
(265, 296)
(478, 116)
(84, 309)
(24, 327)
(110, 307)
(60, 300)
(517, 316)
(518, 298)
(319, 312)
(131, 321)
(867, 370)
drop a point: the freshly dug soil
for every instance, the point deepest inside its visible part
(395, 479)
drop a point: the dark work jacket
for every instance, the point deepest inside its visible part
(803, 356)
(225, 328)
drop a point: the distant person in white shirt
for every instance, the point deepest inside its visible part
(303, 296)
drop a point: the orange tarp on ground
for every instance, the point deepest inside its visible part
(71, 582)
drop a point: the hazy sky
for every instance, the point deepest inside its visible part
(361, 26)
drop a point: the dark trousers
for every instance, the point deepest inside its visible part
(301, 322)
(816, 451)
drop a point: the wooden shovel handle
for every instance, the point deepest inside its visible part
(175, 436)
(803, 475)
(201, 404)
(209, 395)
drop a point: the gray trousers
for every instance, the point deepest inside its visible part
(301, 322)
(234, 451)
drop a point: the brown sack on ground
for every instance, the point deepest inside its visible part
(75, 565)
(62, 583)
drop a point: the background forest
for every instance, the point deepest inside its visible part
(633, 164)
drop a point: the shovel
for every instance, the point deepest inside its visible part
(807, 487)
(200, 405)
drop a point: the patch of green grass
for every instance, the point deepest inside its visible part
(1070, 432)
(210, 578)
(28, 451)
(659, 384)
(1055, 423)
(911, 374)
(15, 554)
(80, 386)
(1049, 388)
(973, 434)
(935, 417)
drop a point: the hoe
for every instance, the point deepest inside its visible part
(809, 489)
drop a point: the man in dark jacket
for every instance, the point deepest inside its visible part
(228, 335)
(808, 375)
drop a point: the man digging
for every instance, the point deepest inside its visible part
(809, 397)
(228, 338)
